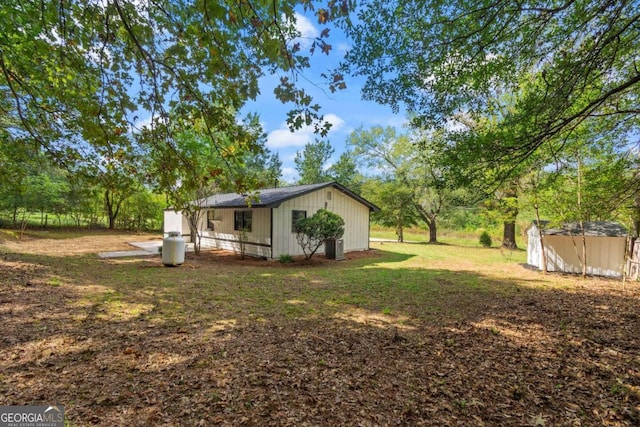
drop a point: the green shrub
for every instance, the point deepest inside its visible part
(286, 258)
(485, 239)
(313, 231)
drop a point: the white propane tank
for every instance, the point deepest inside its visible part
(173, 249)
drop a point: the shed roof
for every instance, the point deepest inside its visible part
(591, 228)
(273, 197)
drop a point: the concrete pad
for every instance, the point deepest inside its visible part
(148, 248)
(150, 245)
(121, 254)
(153, 245)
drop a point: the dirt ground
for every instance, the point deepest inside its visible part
(107, 242)
(554, 357)
(89, 244)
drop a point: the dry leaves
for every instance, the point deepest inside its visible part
(540, 358)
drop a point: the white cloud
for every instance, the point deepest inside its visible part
(343, 48)
(336, 122)
(283, 137)
(290, 158)
(140, 124)
(384, 120)
(145, 123)
(306, 30)
(395, 121)
(289, 174)
(140, 5)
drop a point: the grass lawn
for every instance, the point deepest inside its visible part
(405, 334)
(421, 235)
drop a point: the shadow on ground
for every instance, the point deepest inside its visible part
(129, 342)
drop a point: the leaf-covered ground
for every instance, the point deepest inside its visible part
(404, 335)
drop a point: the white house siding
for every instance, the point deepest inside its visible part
(223, 236)
(175, 221)
(354, 214)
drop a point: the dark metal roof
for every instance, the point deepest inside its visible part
(273, 197)
(591, 228)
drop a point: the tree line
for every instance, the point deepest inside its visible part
(528, 99)
(415, 184)
(36, 192)
(531, 105)
(124, 192)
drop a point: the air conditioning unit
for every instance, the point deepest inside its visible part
(334, 249)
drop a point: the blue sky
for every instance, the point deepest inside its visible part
(344, 109)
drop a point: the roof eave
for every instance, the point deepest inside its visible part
(277, 203)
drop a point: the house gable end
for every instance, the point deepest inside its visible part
(274, 197)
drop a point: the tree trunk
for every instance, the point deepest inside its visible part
(400, 231)
(509, 235)
(510, 201)
(433, 232)
(109, 208)
(23, 224)
(112, 207)
(541, 234)
(429, 218)
(193, 218)
(584, 239)
(112, 221)
(636, 217)
(584, 250)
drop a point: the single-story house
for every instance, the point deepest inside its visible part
(268, 219)
(605, 243)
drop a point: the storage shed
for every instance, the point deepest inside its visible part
(269, 219)
(605, 243)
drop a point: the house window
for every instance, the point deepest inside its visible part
(242, 220)
(210, 218)
(328, 195)
(295, 217)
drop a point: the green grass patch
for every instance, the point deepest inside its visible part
(421, 235)
(413, 280)
(10, 235)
